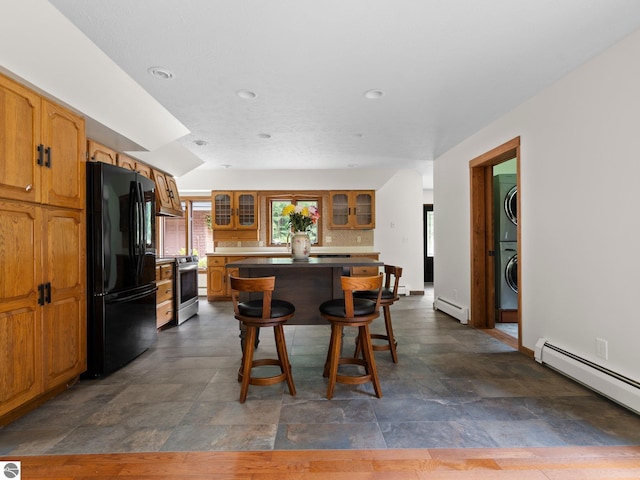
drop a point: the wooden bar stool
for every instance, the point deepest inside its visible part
(352, 312)
(392, 276)
(254, 314)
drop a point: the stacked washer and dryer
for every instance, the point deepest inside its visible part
(505, 191)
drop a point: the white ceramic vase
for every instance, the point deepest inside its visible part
(300, 246)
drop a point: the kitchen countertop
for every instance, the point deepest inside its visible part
(277, 252)
(270, 262)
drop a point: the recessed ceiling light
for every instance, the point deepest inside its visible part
(264, 135)
(352, 165)
(373, 94)
(225, 165)
(246, 94)
(160, 72)
(200, 142)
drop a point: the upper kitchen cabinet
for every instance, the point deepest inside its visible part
(234, 215)
(352, 209)
(99, 153)
(134, 165)
(167, 197)
(42, 148)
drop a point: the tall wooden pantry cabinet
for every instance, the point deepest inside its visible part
(42, 249)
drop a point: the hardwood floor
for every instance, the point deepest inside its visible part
(566, 463)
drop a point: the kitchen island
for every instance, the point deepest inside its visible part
(306, 284)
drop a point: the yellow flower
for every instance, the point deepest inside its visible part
(305, 211)
(288, 210)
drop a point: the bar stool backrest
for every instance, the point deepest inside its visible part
(265, 285)
(354, 284)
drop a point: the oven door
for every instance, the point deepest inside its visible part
(187, 291)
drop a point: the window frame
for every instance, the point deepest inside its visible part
(187, 218)
(291, 198)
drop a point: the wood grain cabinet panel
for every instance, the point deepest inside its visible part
(20, 123)
(42, 248)
(352, 209)
(99, 153)
(127, 162)
(64, 321)
(63, 182)
(42, 147)
(165, 300)
(20, 313)
(167, 196)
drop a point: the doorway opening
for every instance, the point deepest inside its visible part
(427, 222)
(483, 251)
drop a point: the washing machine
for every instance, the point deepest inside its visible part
(507, 276)
(505, 194)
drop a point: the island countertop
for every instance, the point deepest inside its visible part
(313, 262)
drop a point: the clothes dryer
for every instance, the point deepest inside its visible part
(507, 276)
(505, 194)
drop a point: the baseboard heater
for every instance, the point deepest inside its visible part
(616, 387)
(453, 309)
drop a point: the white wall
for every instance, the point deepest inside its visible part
(427, 196)
(399, 232)
(579, 215)
(399, 199)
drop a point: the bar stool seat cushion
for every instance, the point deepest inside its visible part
(387, 294)
(335, 307)
(253, 308)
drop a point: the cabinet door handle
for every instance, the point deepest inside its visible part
(47, 152)
(47, 297)
(40, 160)
(41, 294)
(28, 187)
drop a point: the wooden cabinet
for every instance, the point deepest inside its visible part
(234, 215)
(143, 169)
(365, 271)
(352, 209)
(99, 153)
(20, 312)
(167, 197)
(43, 308)
(64, 321)
(42, 145)
(42, 248)
(217, 277)
(165, 301)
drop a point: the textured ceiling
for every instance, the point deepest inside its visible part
(446, 68)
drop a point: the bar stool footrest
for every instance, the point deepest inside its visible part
(353, 379)
(271, 380)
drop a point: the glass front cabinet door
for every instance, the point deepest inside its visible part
(234, 210)
(352, 209)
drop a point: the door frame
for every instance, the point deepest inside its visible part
(428, 261)
(482, 235)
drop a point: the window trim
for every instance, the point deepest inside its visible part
(292, 198)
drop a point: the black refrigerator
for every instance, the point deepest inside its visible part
(121, 300)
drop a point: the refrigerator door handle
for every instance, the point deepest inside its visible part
(132, 223)
(141, 228)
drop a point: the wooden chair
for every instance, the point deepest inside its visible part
(254, 314)
(351, 311)
(389, 296)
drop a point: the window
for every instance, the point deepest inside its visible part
(279, 231)
(189, 235)
(430, 237)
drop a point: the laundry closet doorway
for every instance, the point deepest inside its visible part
(483, 237)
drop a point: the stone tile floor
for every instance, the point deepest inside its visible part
(454, 387)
